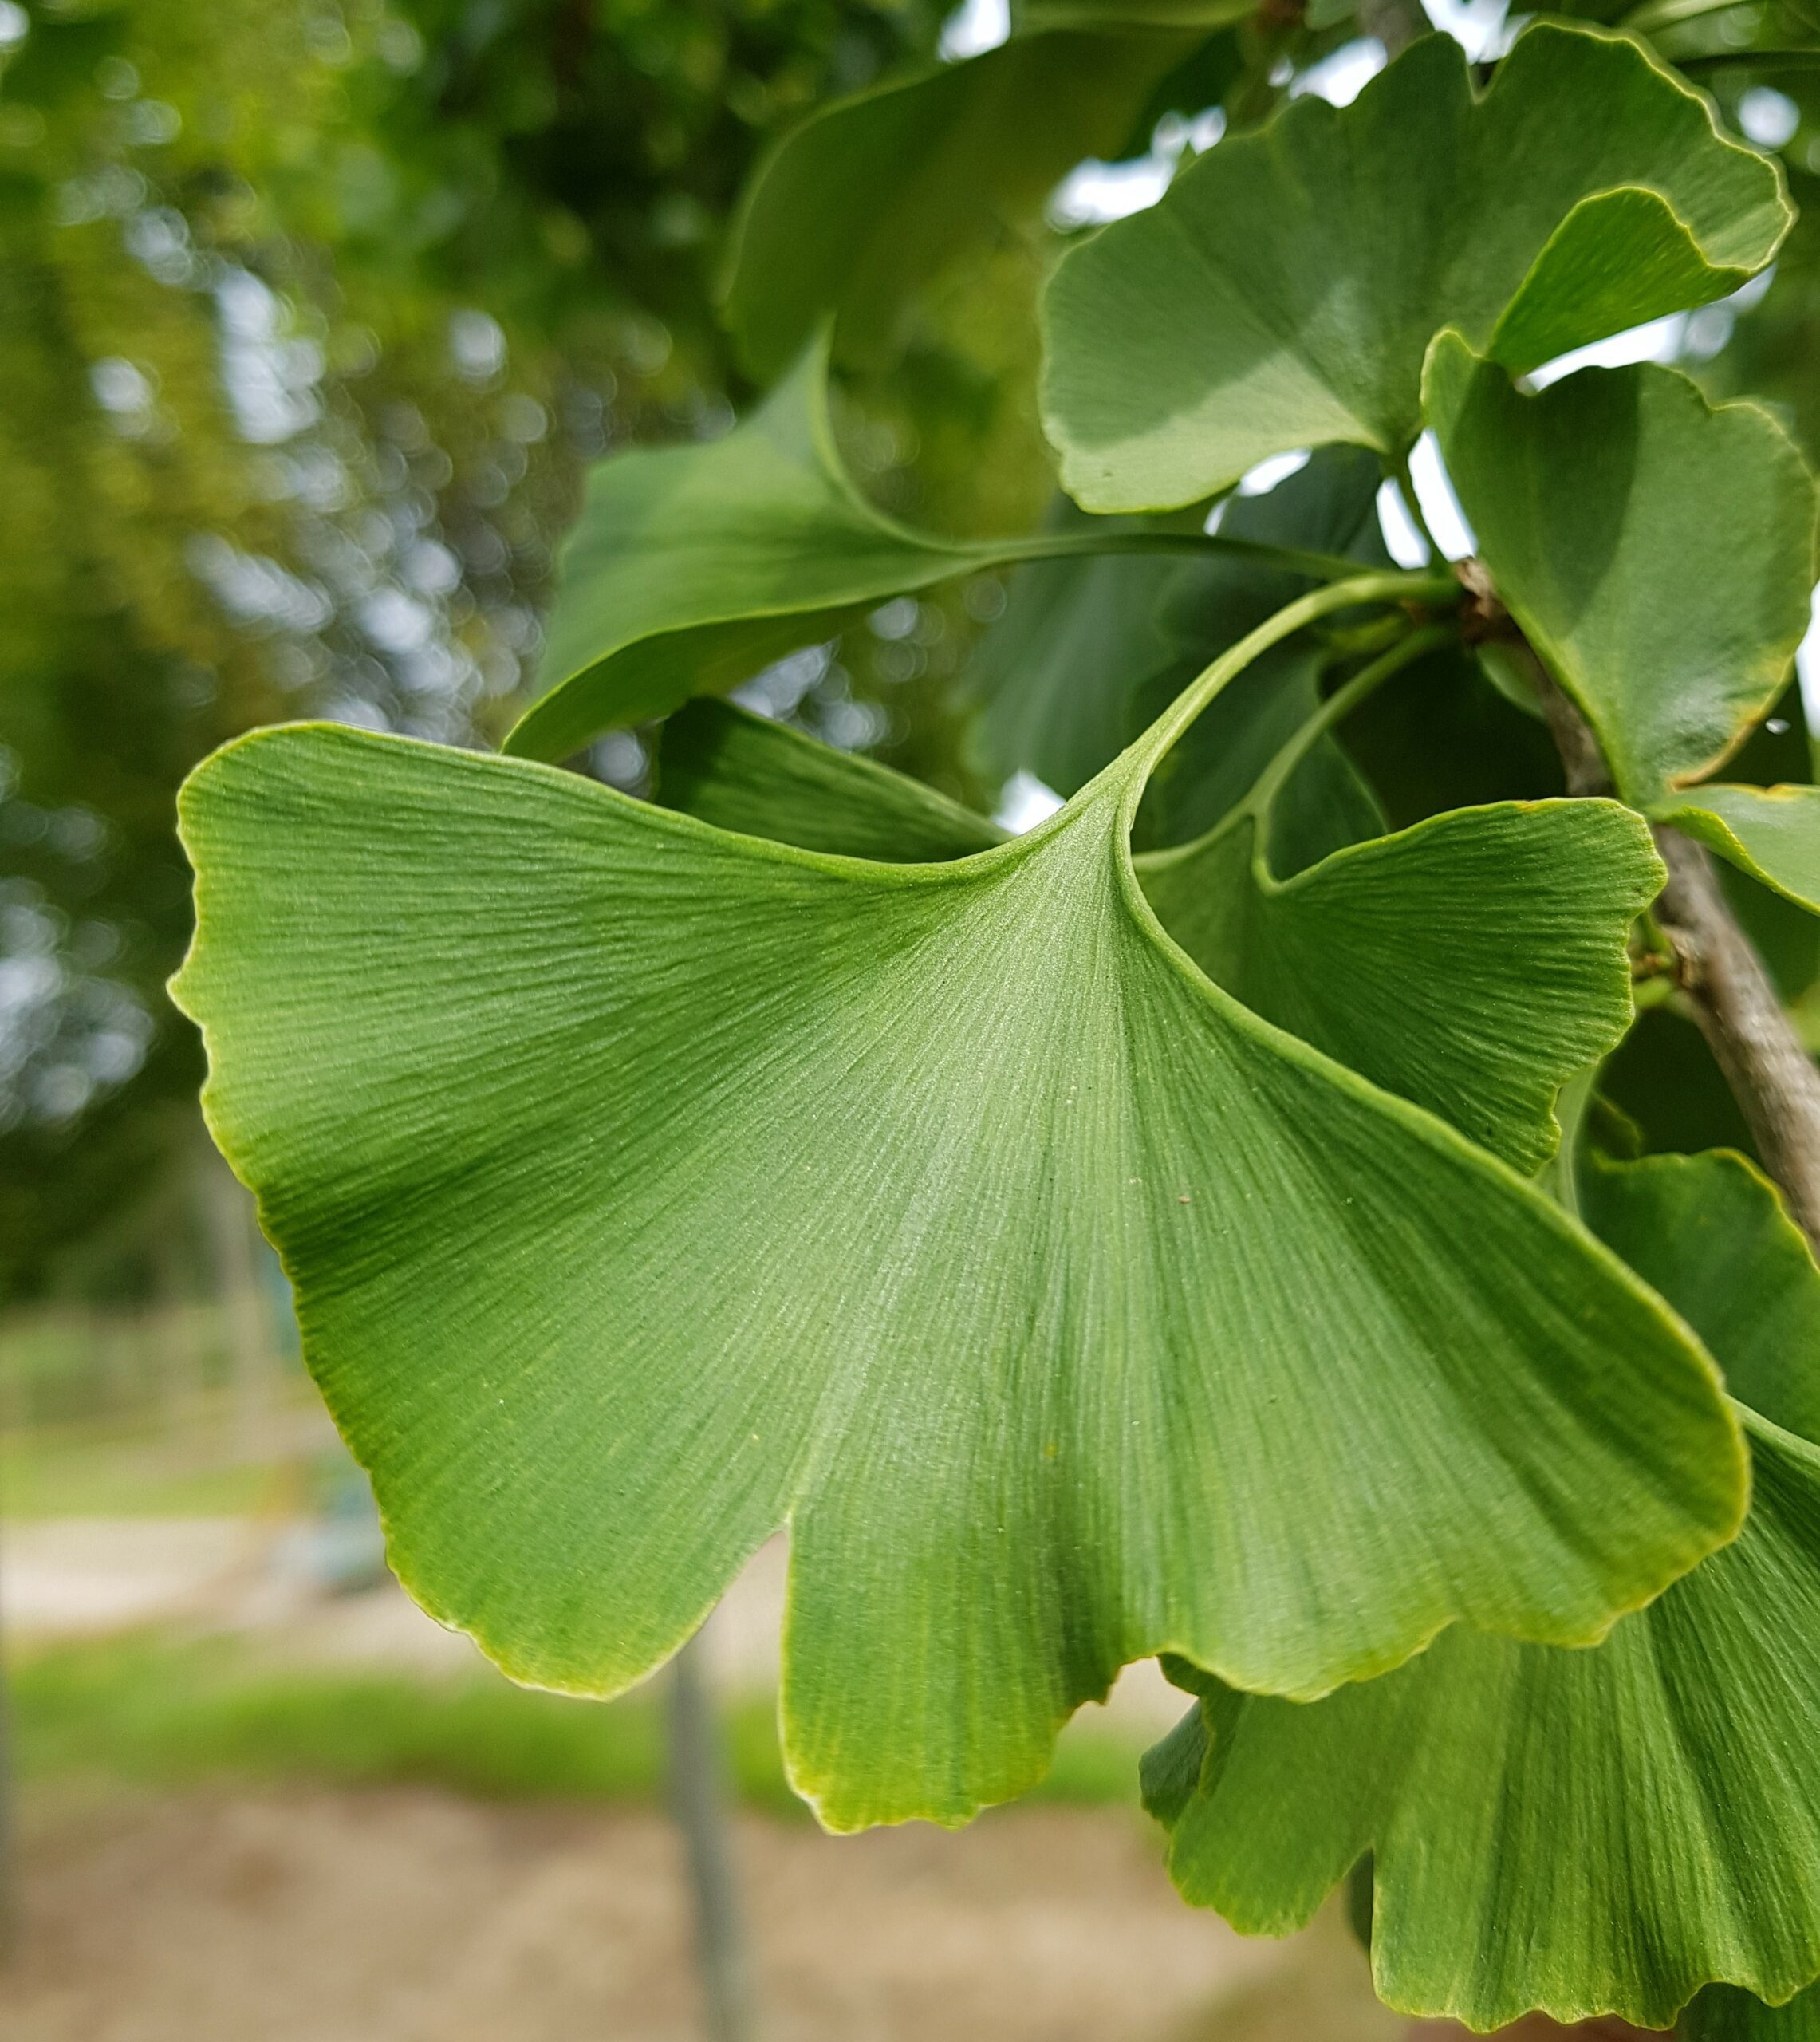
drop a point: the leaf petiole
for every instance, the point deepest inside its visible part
(1338, 706)
(1401, 587)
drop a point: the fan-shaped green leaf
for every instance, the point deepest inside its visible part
(646, 1187)
(872, 197)
(1579, 1832)
(1763, 820)
(1658, 550)
(1771, 833)
(1710, 1234)
(692, 567)
(1472, 963)
(1284, 291)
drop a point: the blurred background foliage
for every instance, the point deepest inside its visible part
(313, 313)
(310, 317)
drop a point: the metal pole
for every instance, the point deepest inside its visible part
(698, 1803)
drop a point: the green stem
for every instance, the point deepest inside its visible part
(1400, 587)
(1070, 546)
(1338, 706)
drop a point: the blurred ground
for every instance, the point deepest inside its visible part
(258, 1810)
(405, 1915)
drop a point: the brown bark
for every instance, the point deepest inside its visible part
(1752, 1039)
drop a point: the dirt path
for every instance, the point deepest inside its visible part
(410, 1916)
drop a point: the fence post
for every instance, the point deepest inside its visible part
(253, 1365)
(8, 1834)
(698, 1802)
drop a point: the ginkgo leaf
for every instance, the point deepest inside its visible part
(1582, 1832)
(1472, 963)
(646, 1187)
(1658, 550)
(1710, 1235)
(1762, 820)
(743, 772)
(871, 198)
(692, 567)
(1771, 833)
(1284, 291)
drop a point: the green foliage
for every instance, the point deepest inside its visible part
(745, 773)
(1771, 833)
(251, 472)
(1110, 1240)
(1090, 651)
(692, 567)
(1722, 2013)
(1395, 956)
(1435, 927)
(1657, 553)
(869, 1433)
(1501, 1788)
(872, 197)
(1285, 291)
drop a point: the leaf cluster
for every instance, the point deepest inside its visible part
(1209, 1223)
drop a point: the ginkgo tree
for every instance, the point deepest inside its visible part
(1210, 1224)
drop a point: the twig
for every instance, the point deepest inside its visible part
(1752, 1039)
